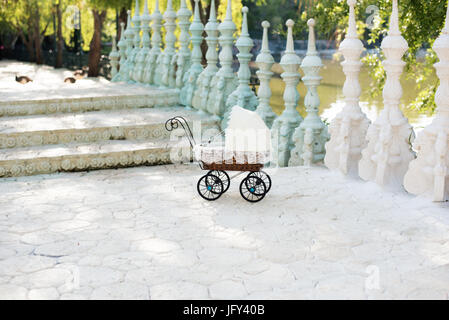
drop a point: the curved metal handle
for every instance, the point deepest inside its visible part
(174, 123)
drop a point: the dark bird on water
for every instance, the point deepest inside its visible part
(23, 79)
(70, 80)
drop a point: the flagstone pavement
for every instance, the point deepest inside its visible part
(144, 233)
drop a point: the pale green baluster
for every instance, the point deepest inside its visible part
(290, 119)
(122, 53)
(428, 174)
(204, 79)
(191, 76)
(183, 55)
(129, 38)
(242, 96)
(311, 135)
(136, 42)
(167, 76)
(114, 57)
(145, 49)
(225, 81)
(155, 50)
(265, 61)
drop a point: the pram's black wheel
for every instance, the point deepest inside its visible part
(253, 189)
(224, 177)
(264, 176)
(210, 187)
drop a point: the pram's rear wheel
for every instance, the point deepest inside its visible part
(224, 177)
(210, 187)
(264, 176)
(253, 189)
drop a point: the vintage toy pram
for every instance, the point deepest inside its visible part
(217, 160)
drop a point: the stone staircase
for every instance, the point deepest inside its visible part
(55, 140)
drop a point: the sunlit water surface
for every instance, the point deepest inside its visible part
(332, 99)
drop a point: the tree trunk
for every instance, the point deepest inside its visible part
(37, 36)
(60, 40)
(95, 43)
(28, 42)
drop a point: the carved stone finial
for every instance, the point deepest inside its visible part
(311, 48)
(352, 29)
(265, 61)
(290, 47)
(229, 11)
(394, 20)
(213, 12)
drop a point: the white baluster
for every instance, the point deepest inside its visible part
(242, 96)
(136, 39)
(114, 57)
(129, 37)
(265, 61)
(183, 55)
(204, 79)
(155, 51)
(290, 118)
(386, 158)
(311, 135)
(196, 29)
(164, 71)
(428, 174)
(145, 50)
(225, 81)
(122, 53)
(348, 129)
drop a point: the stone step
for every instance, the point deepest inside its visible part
(108, 97)
(134, 124)
(89, 156)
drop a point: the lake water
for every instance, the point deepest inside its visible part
(332, 99)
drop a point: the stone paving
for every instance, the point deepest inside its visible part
(144, 233)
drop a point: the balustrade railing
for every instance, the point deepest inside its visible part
(381, 152)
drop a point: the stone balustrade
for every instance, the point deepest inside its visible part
(381, 152)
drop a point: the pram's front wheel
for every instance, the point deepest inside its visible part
(253, 189)
(264, 176)
(224, 177)
(210, 187)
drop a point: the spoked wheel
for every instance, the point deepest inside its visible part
(264, 176)
(224, 177)
(210, 187)
(253, 189)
